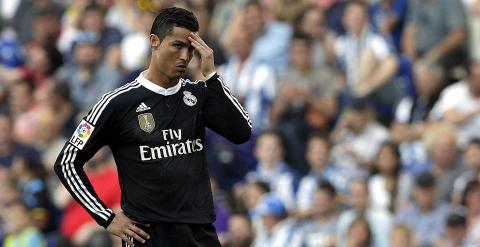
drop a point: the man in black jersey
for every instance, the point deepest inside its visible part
(155, 127)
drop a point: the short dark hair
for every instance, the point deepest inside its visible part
(169, 17)
(456, 220)
(303, 37)
(425, 180)
(327, 187)
(95, 7)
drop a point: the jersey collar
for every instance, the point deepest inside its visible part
(156, 88)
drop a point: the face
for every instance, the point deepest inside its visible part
(254, 20)
(241, 44)
(472, 199)
(323, 203)
(252, 196)
(93, 21)
(359, 195)
(87, 55)
(313, 23)
(172, 55)
(268, 149)
(474, 78)
(400, 237)
(358, 234)
(444, 151)
(387, 161)
(355, 19)
(20, 98)
(456, 234)
(424, 197)
(17, 218)
(317, 154)
(426, 82)
(472, 157)
(300, 54)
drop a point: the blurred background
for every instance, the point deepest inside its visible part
(366, 117)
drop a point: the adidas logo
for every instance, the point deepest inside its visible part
(142, 107)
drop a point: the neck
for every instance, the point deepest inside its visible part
(160, 78)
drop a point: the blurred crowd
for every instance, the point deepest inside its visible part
(366, 117)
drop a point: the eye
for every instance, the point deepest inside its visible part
(178, 46)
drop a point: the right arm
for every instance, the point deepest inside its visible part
(92, 133)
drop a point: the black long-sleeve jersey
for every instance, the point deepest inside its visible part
(157, 139)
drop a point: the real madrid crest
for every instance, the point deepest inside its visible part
(189, 99)
(146, 122)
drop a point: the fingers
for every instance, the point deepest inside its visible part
(199, 44)
(134, 235)
(139, 232)
(127, 239)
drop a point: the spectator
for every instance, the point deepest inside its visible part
(441, 144)
(389, 187)
(379, 220)
(253, 81)
(426, 216)
(250, 197)
(240, 232)
(472, 11)
(471, 200)
(59, 100)
(356, 140)
(280, 231)
(366, 58)
(9, 148)
(135, 47)
(402, 236)
(388, 19)
(271, 39)
(271, 168)
(471, 157)
(318, 157)
(432, 37)
(359, 234)
(88, 78)
(321, 230)
(412, 116)
(19, 227)
(311, 80)
(455, 232)
(30, 176)
(458, 104)
(122, 15)
(311, 21)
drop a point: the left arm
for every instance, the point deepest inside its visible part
(223, 113)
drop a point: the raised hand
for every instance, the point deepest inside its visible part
(207, 65)
(126, 229)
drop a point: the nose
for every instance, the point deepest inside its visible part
(185, 54)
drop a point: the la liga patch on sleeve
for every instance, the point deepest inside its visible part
(82, 134)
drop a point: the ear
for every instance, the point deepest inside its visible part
(154, 41)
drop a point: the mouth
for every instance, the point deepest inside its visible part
(181, 67)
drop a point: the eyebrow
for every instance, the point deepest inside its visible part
(181, 42)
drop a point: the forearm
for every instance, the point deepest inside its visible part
(408, 42)
(451, 42)
(224, 114)
(71, 174)
(380, 75)
(457, 117)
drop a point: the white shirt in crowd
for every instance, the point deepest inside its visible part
(459, 98)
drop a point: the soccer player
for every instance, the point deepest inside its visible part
(155, 127)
